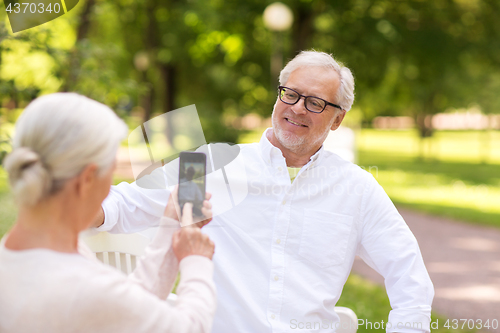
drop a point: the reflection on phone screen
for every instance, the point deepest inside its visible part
(192, 185)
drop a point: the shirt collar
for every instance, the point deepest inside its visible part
(268, 150)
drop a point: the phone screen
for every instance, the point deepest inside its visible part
(192, 171)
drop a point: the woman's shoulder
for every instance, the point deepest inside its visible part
(65, 290)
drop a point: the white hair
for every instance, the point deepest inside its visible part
(56, 137)
(345, 93)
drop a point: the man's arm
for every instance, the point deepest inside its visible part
(388, 246)
(136, 206)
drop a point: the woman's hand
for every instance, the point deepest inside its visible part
(190, 241)
(172, 210)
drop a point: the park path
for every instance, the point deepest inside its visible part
(463, 261)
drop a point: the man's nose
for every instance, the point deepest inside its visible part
(300, 107)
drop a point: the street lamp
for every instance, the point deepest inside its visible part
(142, 63)
(278, 18)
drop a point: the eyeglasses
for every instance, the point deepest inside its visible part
(313, 104)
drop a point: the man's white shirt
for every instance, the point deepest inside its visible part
(283, 254)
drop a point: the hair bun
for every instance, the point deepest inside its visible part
(27, 175)
(25, 156)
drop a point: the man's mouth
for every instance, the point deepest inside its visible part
(294, 123)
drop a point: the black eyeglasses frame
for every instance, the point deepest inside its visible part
(280, 88)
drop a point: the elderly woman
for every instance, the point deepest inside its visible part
(60, 171)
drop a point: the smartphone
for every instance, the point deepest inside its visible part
(192, 175)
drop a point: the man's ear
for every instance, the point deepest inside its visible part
(86, 179)
(338, 119)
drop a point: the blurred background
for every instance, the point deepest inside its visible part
(425, 122)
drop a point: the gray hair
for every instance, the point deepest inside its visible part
(345, 93)
(56, 137)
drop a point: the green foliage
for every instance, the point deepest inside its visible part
(409, 57)
(8, 210)
(7, 119)
(414, 58)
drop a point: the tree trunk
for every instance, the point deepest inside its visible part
(84, 26)
(151, 43)
(425, 131)
(168, 72)
(148, 98)
(74, 57)
(302, 28)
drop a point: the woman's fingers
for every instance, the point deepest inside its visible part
(190, 241)
(187, 214)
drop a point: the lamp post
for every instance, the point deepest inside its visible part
(278, 18)
(142, 63)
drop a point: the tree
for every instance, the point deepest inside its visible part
(409, 58)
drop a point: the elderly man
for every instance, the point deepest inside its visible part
(285, 252)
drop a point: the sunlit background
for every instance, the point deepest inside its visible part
(426, 119)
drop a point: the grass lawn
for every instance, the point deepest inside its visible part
(450, 182)
(370, 303)
(471, 147)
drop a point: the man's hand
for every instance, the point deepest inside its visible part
(206, 211)
(190, 241)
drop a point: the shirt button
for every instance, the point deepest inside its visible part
(273, 316)
(278, 241)
(276, 278)
(280, 169)
(283, 202)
